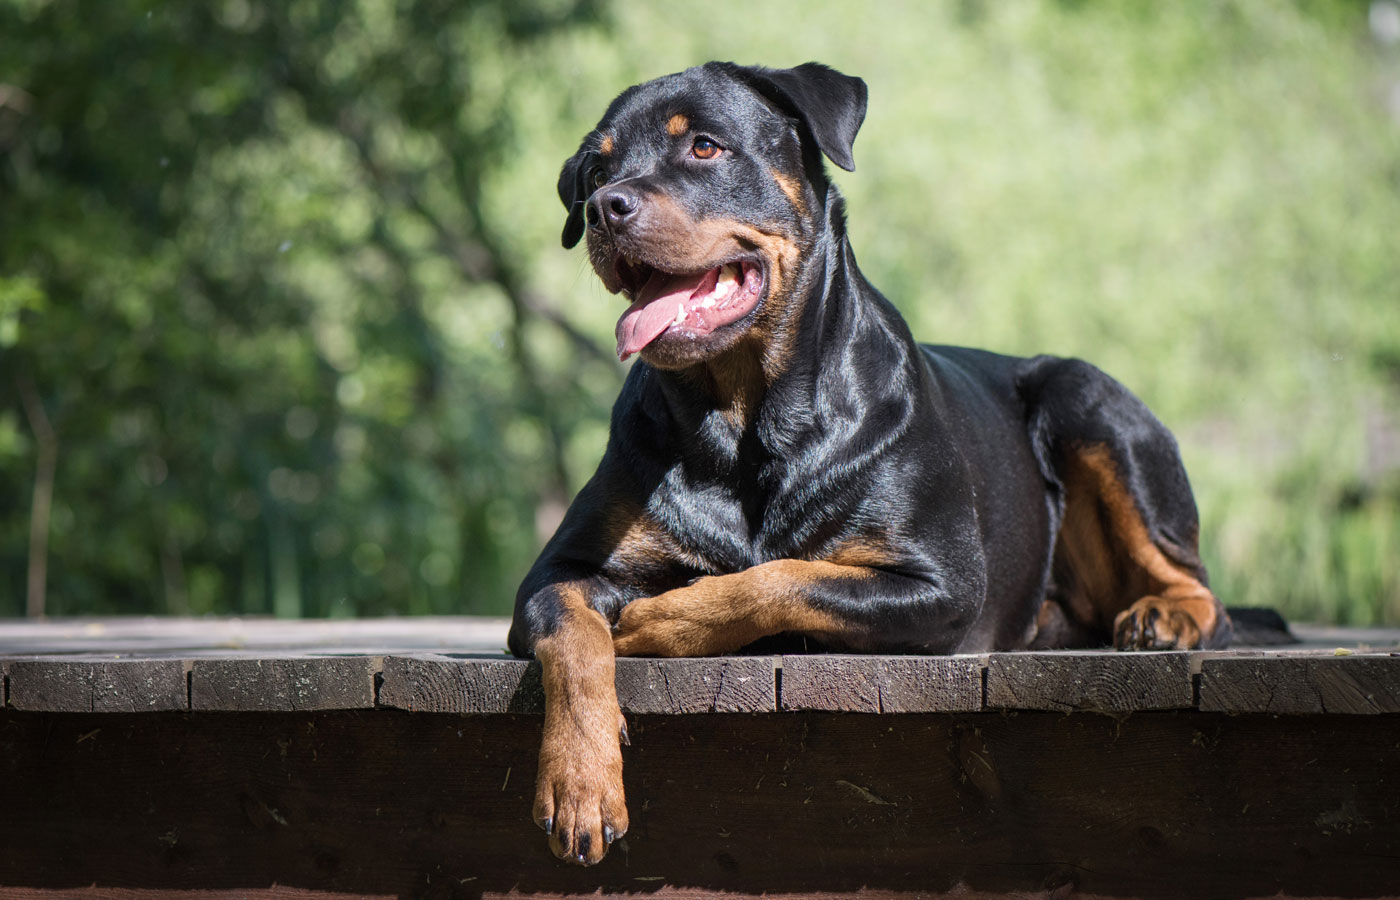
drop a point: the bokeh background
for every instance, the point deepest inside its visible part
(285, 326)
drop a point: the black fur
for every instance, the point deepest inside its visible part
(947, 459)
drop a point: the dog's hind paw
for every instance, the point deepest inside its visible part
(1156, 623)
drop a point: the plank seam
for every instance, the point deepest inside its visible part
(376, 678)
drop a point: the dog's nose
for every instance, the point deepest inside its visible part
(614, 205)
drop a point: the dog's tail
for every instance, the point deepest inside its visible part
(1259, 626)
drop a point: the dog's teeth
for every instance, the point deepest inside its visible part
(680, 314)
(729, 272)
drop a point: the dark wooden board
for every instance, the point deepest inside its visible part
(388, 803)
(1252, 680)
(883, 684)
(1298, 684)
(443, 685)
(96, 686)
(663, 686)
(682, 686)
(1089, 681)
(283, 685)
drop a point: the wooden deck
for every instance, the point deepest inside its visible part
(395, 758)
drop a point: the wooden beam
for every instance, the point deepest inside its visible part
(1093, 681)
(59, 685)
(795, 804)
(1299, 684)
(283, 685)
(883, 684)
(664, 686)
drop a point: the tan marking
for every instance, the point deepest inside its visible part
(579, 785)
(637, 547)
(863, 552)
(632, 536)
(792, 188)
(677, 125)
(1116, 574)
(605, 146)
(722, 613)
(737, 384)
(1083, 552)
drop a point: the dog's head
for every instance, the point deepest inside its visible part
(699, 192)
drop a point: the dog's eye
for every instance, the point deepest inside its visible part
(704, 148)
(598, 177)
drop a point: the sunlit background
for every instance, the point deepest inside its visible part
(285, 326)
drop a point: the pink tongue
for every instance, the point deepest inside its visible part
(656, 308)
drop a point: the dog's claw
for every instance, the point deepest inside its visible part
(581, 849)
(607, 834)
(547, 824)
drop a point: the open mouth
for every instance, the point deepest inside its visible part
(687, 305)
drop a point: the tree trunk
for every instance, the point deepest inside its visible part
(46, 452)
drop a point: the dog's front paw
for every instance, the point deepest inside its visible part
(642, 628)
(1156, 623)
(665, 625)
(578, 794)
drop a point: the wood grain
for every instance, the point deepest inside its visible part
(96, 685)
(1251, 680)
(1300, 684)
(446, 685)
(1090, 681)
(283, 685)
(683, 686)
(883, 684)
(663, 686)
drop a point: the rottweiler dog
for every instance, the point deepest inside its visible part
(785, 460)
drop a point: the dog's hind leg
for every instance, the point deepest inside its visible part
(1126, 561)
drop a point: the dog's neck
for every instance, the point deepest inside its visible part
(761, 389)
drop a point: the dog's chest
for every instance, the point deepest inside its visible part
(731, 523)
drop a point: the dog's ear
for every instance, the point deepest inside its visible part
(830, 104)
(573, 193)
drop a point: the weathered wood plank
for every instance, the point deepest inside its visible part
(283, 685)
(59, 685)
(882, 684)
(1159, 804)
(662, 686)
(1301, 684)
(445, 685)
(1090, 681)
(1291, 681)
(680, 686)
(173, 636)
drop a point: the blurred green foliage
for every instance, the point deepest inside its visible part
(285, 277)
